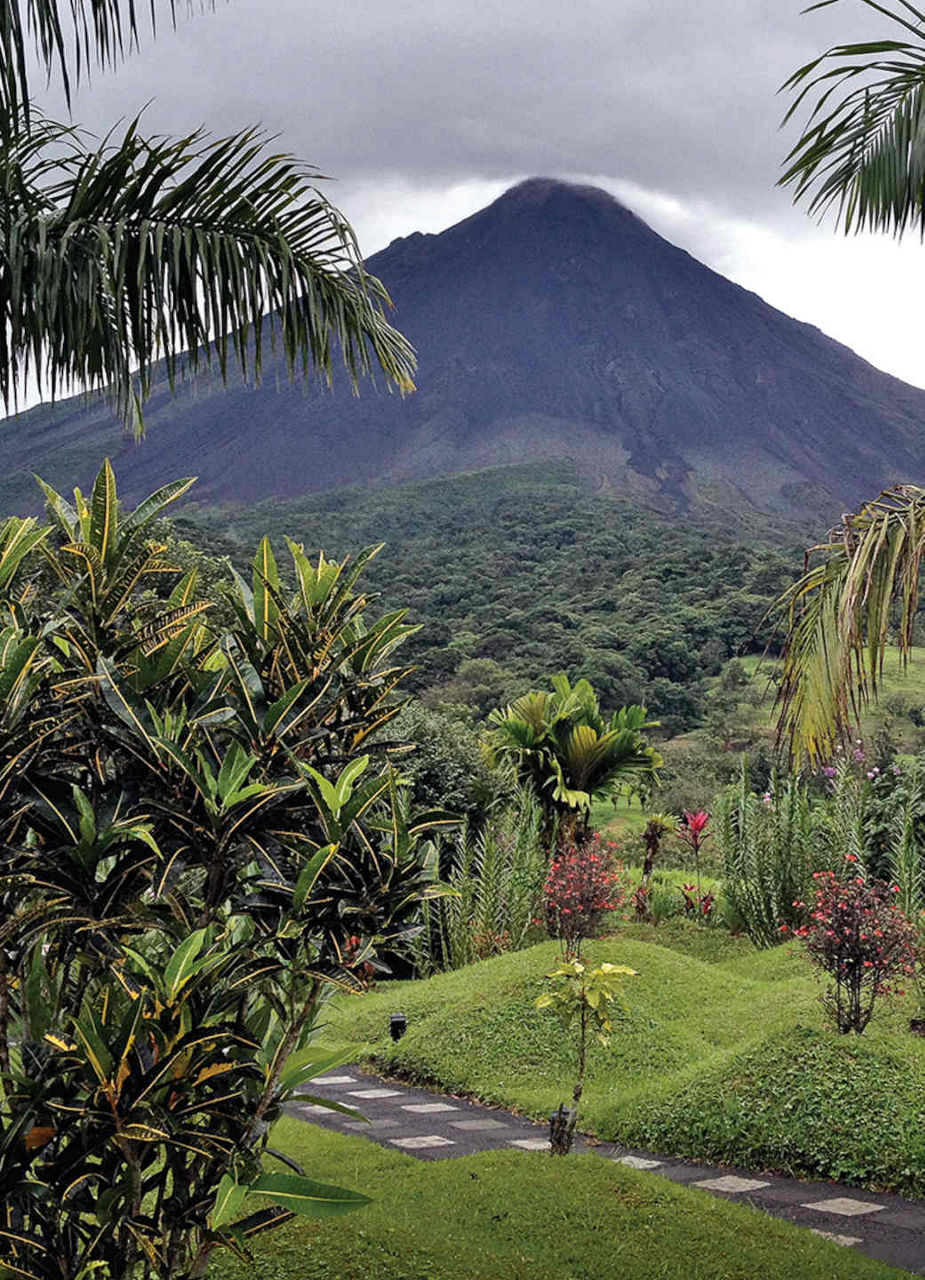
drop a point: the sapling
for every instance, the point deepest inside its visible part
(582, 998)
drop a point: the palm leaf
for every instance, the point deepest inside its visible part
(862, 149)
(68, 40)
(194, 251)
(838, 619)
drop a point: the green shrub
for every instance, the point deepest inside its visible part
(495, 882)
(805, 1103)
(770, 847)
(196, 847)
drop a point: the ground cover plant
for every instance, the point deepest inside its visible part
(506, 1216)
(198, 845)
(714, 1026)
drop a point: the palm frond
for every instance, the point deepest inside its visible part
(862, 149)
(69, 39)
(840, 615)
(193, 251)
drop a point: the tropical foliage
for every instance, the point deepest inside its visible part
(859, 594)
(114, 256)
(518, 572)
(770, 848)
(860, 152)
(494, 876)
(560, 743)
(581, 997)
(200, 840)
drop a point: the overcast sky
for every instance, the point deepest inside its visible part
(424, 110)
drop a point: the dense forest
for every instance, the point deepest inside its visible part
(520, 571)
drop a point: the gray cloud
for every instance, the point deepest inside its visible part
(678, 97)
(423, 109)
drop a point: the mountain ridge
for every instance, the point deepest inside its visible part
(554, 323)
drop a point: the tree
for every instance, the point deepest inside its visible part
(861, 153)
(561, 744)
(199, 842)
(193, 251)
(581, 997)
(861, 592)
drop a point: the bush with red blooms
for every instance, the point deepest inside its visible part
(857, 934)
(583, 883)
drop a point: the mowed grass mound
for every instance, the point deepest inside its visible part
(724, 1055)
(509, 1215)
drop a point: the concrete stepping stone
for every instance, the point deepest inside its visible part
(422, 1141)
(374, 1093)
(531, 1144)
(427, 1108)
(731, 1184)
(845, 1207)
(845, 1241)
(333, 1080)
(478, 1126)
(366, 1125)
(637, 1162)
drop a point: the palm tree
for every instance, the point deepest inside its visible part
(859, 590)
(862, 150)
(861, 155)
(561, 744)
(116, 255)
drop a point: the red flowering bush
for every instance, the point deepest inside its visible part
(857, 934)
(582, 884)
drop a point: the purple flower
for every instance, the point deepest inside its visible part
(829, 771)
(859, 756)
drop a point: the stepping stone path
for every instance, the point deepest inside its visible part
(434, 1128)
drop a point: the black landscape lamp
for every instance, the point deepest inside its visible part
(398, 1025)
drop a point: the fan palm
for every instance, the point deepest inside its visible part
(562, 745)
(862, 149)
(861, 591)
(118, 255)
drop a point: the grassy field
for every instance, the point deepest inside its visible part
(509, 1215)
(724, 1054)
(902, 689)
(626, 817)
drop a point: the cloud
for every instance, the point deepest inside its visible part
(423, 110)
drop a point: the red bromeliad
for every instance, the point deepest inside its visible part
(692, 829)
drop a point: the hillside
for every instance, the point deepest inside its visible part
(518, 572)
(723, 1054)
(552, 324)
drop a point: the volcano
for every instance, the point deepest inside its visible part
(552, 324)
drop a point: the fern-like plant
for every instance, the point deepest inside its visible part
(770, 846)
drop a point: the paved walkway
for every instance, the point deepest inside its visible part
(435, 1127)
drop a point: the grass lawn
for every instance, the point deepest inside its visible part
(509, 1215)
(625, 818)
(723, 1055)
